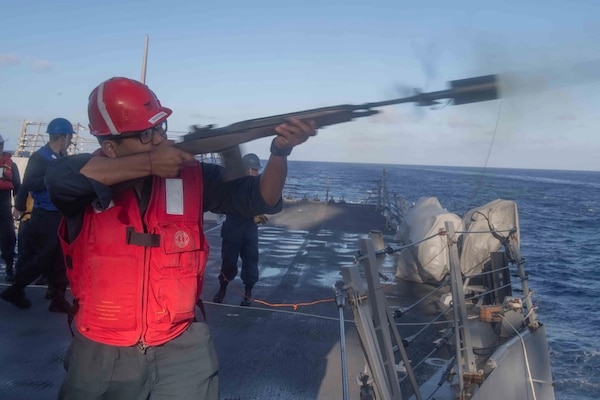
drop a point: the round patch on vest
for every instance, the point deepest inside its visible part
(181, 239)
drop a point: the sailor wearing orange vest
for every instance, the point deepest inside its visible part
(135, 249)
(10, 182)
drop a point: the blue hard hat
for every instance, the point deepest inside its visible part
(251, 160)
(60, 126)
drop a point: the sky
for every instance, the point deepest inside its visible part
(220, 62)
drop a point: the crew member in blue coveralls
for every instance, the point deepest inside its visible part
(136, 252)
(46, 254)
(240, 240)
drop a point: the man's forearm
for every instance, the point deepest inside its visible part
(272, 179)
(110, 171)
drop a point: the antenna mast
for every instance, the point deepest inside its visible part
(145, 60)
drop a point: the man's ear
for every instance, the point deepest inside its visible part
(109, 148)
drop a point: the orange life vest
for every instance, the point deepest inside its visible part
(137, 279)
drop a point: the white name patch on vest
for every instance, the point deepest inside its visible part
(174, 196)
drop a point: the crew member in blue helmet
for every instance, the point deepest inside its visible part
(43, 226)
(240, 240)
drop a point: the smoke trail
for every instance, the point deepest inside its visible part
(520, 83)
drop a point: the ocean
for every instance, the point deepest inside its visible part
(559, 215)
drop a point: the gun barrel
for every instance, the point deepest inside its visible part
(462, 91)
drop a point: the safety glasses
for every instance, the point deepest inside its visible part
(146, 136)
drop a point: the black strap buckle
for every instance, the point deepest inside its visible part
(142, 239)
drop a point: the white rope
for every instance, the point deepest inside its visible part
(527, 367)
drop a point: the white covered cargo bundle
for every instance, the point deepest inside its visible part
(488, 227)
(427, 261)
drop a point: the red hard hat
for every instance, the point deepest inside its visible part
(121, 105)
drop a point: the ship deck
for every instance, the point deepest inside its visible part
(286, 346)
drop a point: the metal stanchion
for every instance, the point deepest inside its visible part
(340, 301)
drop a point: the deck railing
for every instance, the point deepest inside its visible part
(485, 297)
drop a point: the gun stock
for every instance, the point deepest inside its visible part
(207, 139)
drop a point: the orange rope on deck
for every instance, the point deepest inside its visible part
(294, 306)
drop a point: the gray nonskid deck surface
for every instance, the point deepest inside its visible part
(267, 351)
(33, 343)
(274, 351)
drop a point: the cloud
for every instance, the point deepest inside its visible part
(35, 65)
(41, 66)
(9, 59)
